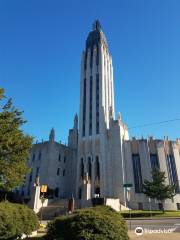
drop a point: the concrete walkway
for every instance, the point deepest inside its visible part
(154, 236)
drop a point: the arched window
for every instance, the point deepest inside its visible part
(82, 169)
(97, 177)
(89, 167)
(97, 168)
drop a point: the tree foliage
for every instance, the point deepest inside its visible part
(89, 224)
(15, 220)
(14, 146)
(157, 188)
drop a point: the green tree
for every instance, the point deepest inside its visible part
(157, 188)
(14, 146)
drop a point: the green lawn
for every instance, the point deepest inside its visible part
(142, 214)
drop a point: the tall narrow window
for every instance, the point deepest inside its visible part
(137, 173)
(39, 155)
(58, 171)
(89, 167)
(91, 58)
(97, 176)
(84, 108)
(59, 158)
(97, 103)
(172, 172)
(97, 168)
(30, 178)
(154, 161)
(82, 168)
(37, 171)
(33, 158)
(90, 106)
(85, 61)
(97, 56)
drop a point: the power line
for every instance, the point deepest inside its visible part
(155, 123)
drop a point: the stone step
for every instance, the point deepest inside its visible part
(54, 209)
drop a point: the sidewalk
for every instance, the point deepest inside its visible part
(153, 218)
(154, 236)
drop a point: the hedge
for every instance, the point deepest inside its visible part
(16, 219)
(144, 214)
(100, 223)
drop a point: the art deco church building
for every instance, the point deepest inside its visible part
(100, 135)
(100, 158)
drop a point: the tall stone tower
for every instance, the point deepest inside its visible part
(96, 114)
(97, 93)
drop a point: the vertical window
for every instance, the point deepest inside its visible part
(97, 56)
(33, 158)
(97, 103)
(39, 156)
(64, 159)
(97, 168)
(37, 171)
(172, 172)
(59, 157)
(137, 173)
(64, 172)
(154, 161)
(58, 171)
(82, 168)
(90, 106)
(89, 167)
(30, 178)
(97, 176)
(91, 58)
(85, 61)
(84, 108)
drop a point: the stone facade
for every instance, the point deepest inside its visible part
(100, 157)
(53, 164)
(167, 156)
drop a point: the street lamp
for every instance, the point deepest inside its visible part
(150, 209)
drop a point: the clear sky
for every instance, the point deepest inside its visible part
(40, 47)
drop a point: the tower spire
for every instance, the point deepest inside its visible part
(52, 135)
(96, 25)
(76, 122)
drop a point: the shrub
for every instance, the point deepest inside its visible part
(16, 219)
(98, 223)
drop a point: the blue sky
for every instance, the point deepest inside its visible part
(40, 48)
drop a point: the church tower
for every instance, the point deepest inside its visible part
(97, 92)
(97, 119)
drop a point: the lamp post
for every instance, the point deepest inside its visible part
(43, 190)
(128, 191)
(150, 209)
(128, 187)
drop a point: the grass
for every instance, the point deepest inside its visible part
(148, 214)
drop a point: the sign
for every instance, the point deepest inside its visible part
(43, 188)
(127, 185)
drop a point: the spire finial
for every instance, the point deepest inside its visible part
(76, 121)
(52, 135)
(96, 25)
